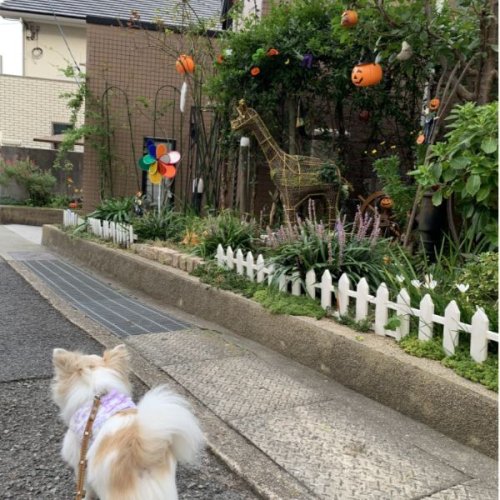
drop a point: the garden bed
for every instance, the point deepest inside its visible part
(369, 364)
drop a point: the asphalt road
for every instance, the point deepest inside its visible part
(31, 433)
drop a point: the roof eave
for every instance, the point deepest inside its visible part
(42, 17)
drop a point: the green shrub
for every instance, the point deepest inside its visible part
(166, 225)
(115, 210)
(226, 229)
(38, 184)
(465, 165)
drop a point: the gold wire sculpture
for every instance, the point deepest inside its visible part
(296, 177)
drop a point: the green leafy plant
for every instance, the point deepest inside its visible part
(226, 229)
(59, 201)
(283, 303)
(115, 210)
(465, 166)
(355, 249)
(38, 183)
(165, 225)
(485, 373)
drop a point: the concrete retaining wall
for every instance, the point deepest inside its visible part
(30, 216)
(371, 365)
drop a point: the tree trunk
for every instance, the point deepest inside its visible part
(488, 69)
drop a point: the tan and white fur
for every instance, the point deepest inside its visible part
(135, 453)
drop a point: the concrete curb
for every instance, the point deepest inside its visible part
(30, 216)
(373, 366)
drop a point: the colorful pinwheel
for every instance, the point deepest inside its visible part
(159, 162)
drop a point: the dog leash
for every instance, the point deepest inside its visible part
(87, 433)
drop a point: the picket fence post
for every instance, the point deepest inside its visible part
(450, 328)
(250, 264)
(479, 336)
(239, 261)
(343, 294)
(362, 292)
(230, 258)
(260, 268)
(404, 313)
(311, 283)
(381, 310)
(296, 285)
(282, 282)
(270, 271)
(326, 290)
(425, 323)
(220, 256)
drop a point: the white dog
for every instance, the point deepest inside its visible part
(133, 450)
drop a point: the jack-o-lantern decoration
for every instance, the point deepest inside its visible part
(434, 104)
(386, 203)
(366, 74)
(349, 19)
(184, 64)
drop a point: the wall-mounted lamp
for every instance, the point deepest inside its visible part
(32, 30)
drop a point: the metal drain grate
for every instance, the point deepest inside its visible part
(113, 310)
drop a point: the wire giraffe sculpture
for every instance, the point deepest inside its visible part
(296, 177)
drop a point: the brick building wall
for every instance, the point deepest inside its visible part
(29, 107)
(133, 63)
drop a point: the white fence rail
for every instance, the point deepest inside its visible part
(121, 234)
(342, 293)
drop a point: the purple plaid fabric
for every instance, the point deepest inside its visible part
(111, 403)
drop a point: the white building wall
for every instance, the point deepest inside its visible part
(29, 106)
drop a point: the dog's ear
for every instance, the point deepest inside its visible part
(117, 358)
(63, 361)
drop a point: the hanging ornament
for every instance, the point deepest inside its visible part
(366, 74)
(307, 61)
(182, 100)
(420, 138)
(255, 71)
(159, 162)
(219, 59)
(405, 53)
(184, 64)
(434, 104)
(349, 19)
(364, 115)
(273, 52)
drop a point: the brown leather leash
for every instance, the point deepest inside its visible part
(87, 433)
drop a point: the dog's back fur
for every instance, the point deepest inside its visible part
(134, 455)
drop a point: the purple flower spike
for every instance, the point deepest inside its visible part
(307, 61)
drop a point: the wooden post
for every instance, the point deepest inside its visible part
(425, 323)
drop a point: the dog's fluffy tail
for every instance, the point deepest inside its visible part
(165, 419)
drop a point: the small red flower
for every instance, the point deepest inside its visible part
(255, 71)
(220, 59)
(273, 52)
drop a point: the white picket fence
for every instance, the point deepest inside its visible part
(342, 293)
(121, 234)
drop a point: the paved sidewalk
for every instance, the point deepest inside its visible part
(334, 442)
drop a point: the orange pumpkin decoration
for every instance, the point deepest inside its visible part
(273, 52)
(420, 138)
(366, 74)
(255, 71)
(349, 19)
(434, 104)
(220, 59)
(184, 64)
(386, 203)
